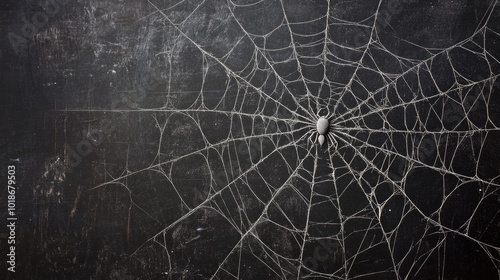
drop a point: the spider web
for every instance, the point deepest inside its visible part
(222, 179)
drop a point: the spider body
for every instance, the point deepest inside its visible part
(321, 133)
(322, 126)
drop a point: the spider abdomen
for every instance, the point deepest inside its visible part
(321, 140)
(322, 126)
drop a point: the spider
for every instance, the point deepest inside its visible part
(321, 133)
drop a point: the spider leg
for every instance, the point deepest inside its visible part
(328, 115)
(317, 115)
(332, 139)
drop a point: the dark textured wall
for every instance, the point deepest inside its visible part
(176, 139)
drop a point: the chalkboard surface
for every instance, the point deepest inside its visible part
(160, 139)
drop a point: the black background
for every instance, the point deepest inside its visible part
(108, 111)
